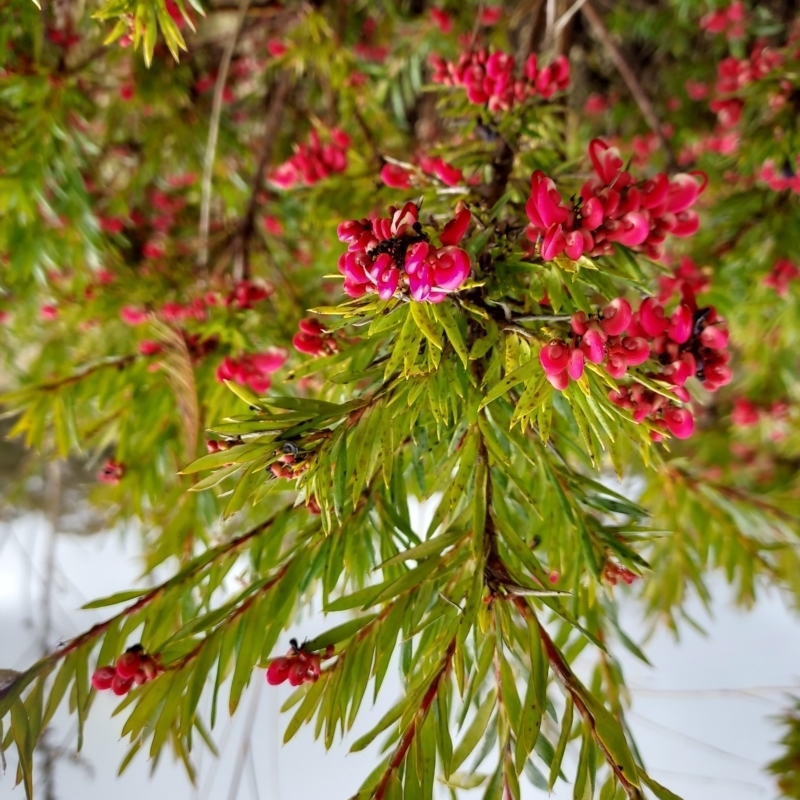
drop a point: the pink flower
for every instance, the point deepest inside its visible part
(616, 317)
(131, 315)
(48, 312)
(554, 357)
(442, 19)
(447, 173)
(276, 48)
(272, 225)
(679, 422)
(451, 267)
(744, 413)
(395, 177)
(491, 15)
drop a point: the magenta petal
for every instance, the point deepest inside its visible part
(637, 350)
(651, 318)
(451, 268)
(635, 229)
(575, 364)
(616, 317)
(680, 324)
(593, 346)
(574, 245)
(686, 224)
(454, 231)
(559, 381)
(415, 256)
(683, 191)
(680, 422)
(554, 357)
(554, 243)
(421, 283)
(387, 283)
(714, 338)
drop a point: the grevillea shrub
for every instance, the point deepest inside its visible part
(274, 280)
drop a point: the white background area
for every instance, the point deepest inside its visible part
(703, 716)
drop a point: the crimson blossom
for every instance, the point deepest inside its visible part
(393, 255)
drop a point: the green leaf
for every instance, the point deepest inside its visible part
(444, 314)
(661, 792)
(561, 747)
(521, 373)
(474, 732)
(340, 633)
(20, 727)
(429, 547)
(115, 599)
(419, 311)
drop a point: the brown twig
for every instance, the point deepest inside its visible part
(632, 82)
(275, 105)
(576, 691)
(408, 736)
(213, 133)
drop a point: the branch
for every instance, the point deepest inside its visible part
(275, 106)
(577, 692)
(213, 134)
(632, 82)
(408, 736)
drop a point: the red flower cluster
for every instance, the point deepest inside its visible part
(246, 293)
(744, 414)
(730, 21)
(253, 369)
(296, 666)
(780, 181)
(613, 573)
(490, 79)
(111, 472)
(686, 275)
(612, 208)
(734, 74)
(314, 161)
(691, 342)
(313, 339)
(393, 253)
(133, 667)
(782, 273)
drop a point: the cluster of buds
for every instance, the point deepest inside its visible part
(490, 79)
(595, 340)
(297, 667)
(612, 208)
(133, 668)
(613, 573)
(314, 161)
(111, 472)
(734, 74)
(782, 273)
(313, 338)
(730, 21)
(253, 369)
(746, 414)
(692, 342)
(390, 255)
(246, 293)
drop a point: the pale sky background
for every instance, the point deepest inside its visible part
(701, 716)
